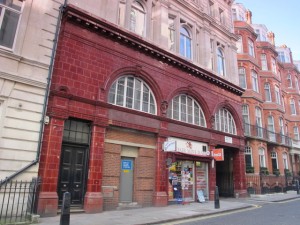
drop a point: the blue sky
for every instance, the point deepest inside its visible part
(280, 17)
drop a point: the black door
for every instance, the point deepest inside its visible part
(225, 175)
(72, 173)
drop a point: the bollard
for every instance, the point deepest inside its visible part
(217, 200)
(297, 186)
(65, 209)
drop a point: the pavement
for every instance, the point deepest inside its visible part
(167, 214)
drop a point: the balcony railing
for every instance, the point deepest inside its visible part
(270, 136)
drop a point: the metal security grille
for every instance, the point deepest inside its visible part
(18, 200)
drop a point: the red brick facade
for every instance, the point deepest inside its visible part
(89, 59)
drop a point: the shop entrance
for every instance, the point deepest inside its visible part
(224, 173)
(126, 182)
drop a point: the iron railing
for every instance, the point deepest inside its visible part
(18, 201)
(270, 136)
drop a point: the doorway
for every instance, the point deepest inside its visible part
(224, 173)
(72, 176)
(126, 180)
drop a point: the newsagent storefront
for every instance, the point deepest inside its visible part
(188, 163)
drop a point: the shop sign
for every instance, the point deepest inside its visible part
(186, 146)
(228, 139)
(218, 154)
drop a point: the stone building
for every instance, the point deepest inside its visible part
(143, 92)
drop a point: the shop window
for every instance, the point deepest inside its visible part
(185, 108)
(224, 121)
(10, 13)
(133, 93)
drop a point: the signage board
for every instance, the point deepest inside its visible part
(186, 146)
(218, 154)
(228, 139)
(126, 165)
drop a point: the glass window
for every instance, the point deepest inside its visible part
(251, 48)
(262, 157)
(221, 62)
(76, 131)
(268, 92)
(239, 44)
(254, 81)
(10, 13)
(132, 93)
(293, 107)
(274, 67)
(137, 18)
(242, 78)
(296, 134)
(277, 95)
(289, 80)
(185, 108)
(258, 121)
(274, 161)
(185, 43)
(285, 161)
(271, 129)
(246, 119)
(224, 121)
(264, 64)
(248, 156)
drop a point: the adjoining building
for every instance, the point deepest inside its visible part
(270, 103)
(142, 95)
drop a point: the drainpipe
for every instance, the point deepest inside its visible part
(49, 78)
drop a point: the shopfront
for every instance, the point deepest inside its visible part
(188, 170)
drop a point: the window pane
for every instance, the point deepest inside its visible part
(137, 97)
(8, 28)
(120, 92)
(129, 92)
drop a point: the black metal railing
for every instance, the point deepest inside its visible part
(270, 136)
(18, 201)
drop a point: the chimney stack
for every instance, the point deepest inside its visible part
(271, 37)
(249, 16)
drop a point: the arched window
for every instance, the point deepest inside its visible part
(224, 121)
(268, 92)
(290, 81)
(185, 108)
(254, 81)
(251, 48)
(185, 43)
(262, 157)
(221, 61)
(133, 93)
(271, 129)
(137, 18)
(258, 121)
(285, 161)
(293, 107)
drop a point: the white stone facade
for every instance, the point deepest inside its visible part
(24, 68)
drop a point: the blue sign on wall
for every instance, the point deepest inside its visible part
(126, 165)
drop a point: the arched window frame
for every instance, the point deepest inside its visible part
(221, 62)
(224, 121)
(293, 107)
(289, 80)
(258, 122)
(248, 156)
(137, 21)
(186, 109)
(185, 48)
(242, 78)
(246, 119)
(254, 81)
(131, 92)
(274, 159)
(271, 129)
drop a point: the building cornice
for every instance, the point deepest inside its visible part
(111, 31)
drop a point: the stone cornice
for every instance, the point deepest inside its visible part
(109, 30)
(23, 80)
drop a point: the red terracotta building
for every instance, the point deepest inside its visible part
(134, 124)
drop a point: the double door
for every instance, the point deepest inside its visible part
(72, 177)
